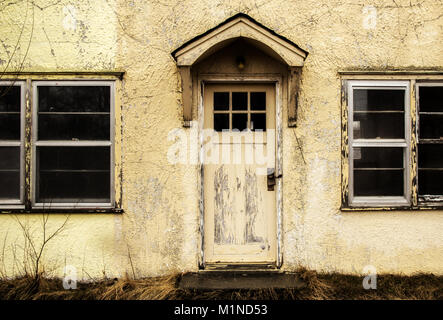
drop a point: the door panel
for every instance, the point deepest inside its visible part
(240, 211)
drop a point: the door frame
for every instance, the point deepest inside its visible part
(277, 80)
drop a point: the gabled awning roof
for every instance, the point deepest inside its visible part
(240, 26)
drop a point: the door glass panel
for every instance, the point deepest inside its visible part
(221, 121)
(258, 100)
(239, 121)
(239, 101)
(221, 100)
(258, 121)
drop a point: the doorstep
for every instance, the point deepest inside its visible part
(240, 279)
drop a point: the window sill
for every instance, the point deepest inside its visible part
(62, 210)
(420, 207)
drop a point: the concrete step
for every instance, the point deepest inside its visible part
(213, 280)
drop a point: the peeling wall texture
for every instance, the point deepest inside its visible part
(158, 233)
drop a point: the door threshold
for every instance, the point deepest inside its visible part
(240, 279)
(235, 266)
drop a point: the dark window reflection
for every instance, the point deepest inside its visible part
(74, 99)
(378, 100)
(9, 173)
(431, 126)
(378, 183)
(10, 99)
(258, 121)
(383, 126)
(258, 100)
(431, 99)
(73, 174)
(239, 121)
(239, 101)
(221, 100)
(221, 121)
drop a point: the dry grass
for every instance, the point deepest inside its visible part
(318, 287)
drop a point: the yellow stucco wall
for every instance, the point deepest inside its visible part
(158, 231)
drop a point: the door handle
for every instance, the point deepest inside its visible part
(271, 178)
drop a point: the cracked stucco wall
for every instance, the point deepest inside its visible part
(158, 233)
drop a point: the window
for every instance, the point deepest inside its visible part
(72, 144)
(239, 111)
(11, 143)
(430, 141)
(379, 138)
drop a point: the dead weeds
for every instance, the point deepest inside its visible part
(318, 287)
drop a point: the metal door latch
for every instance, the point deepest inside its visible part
(271, 178)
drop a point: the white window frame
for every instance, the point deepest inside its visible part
(85, 143)
(379, 201)
(17, 204)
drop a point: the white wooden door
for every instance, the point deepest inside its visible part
(238, 153)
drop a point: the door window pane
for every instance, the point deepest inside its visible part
(239, 101)
(258, 121)
(239, 121)
(258, 100)
(221, 121)
(221, 100)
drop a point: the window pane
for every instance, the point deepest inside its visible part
(239, 101)
(430, 182)
(221, 122)
(378, 183)
(9, 99)
(239, 121)
(221, 100)
(9, 158)
(10, 185)
(258, 121)
(9, 126)
(430, 156)
(378, 100)
(431, 126)
(74, 99)
(9, 173)
(258, 100)
(378, 157)
(379, 125)
(431, 99)
(73, 174)
(73, 127)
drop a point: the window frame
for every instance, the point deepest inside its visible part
(436, 200)
(379, 201)
(17, 204)
(67, 143)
